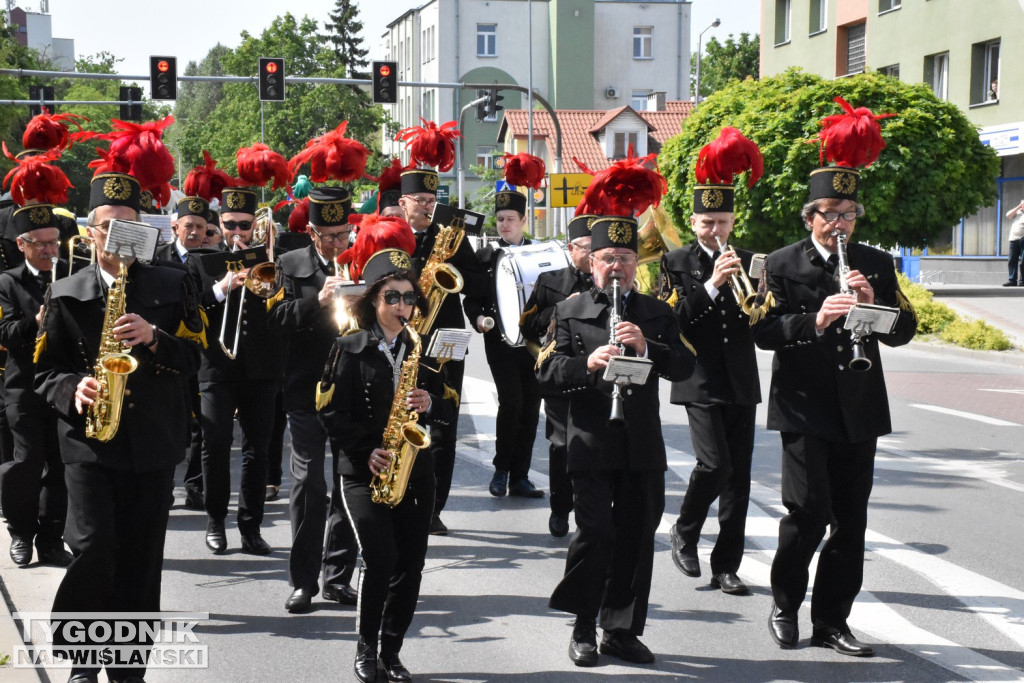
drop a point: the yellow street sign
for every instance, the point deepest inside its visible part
(566, 189)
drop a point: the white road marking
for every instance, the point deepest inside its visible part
(964, 414)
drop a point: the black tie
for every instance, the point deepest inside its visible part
(714, 257)
(832, 263)
(420, 236)
(43, 279)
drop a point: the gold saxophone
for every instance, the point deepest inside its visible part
(403, 437)
(439, 279)
(113, 365)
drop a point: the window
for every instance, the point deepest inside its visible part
(486, 40)
(892, 70)
(639, 99)
(642, 36)
(855, 52)
(936, 74)
(623, 141)
(886, 5)
(427, 44)
(818, 16)
(985, 72)
(429, 98)
(485, 155)
(781, 21)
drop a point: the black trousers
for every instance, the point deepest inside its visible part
(309, 512)
(32, 489)
(393, 542)
(116, 525)
(723, 442)
(1014, 260)
(254, 401)
(442, 440)
(518, 407)
(194, 454)
(556, 421)
(6, 438)
(823, 483)
(611, 556)
(274, 463)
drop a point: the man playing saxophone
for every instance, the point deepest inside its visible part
(119, 490)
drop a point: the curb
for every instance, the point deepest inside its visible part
(10, 635)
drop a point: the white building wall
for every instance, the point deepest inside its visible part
(64, 53)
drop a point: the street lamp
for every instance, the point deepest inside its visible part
(700, 38)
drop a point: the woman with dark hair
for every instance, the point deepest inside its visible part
(364, 371)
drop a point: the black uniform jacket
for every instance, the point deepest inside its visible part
(813, 389)
(582, 326)
(155, 411)
(308, 328)
(473, 275)
(167, 254)
(726, 370)
(551, 287)
(21, 295)
(361, 404)
(482, 301)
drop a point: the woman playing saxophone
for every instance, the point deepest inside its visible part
(376, 391)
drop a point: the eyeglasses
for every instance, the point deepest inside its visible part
(833, 216)
(624, 259)
(41, 245)
(581, 247)
(211, 232)
(423, 201)
(236, 225)
(102, 227)
(337, 237)
(393, 296)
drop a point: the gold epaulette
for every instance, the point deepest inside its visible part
(275, 299)
(40, 347)
(759, 312)
(904, 302)
(1, 312)
(527, 314)
(323, 397)
(687, 344)
(186, 333)
(544, 354)
(673, 298)
(450, 393)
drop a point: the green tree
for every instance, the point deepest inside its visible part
(13, 119)
(482, 200)
(343, 31)
(933, 171)
(733, 60)
(197, 101)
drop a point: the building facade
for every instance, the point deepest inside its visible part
(966, 52)
(586, 55)
(35, 30)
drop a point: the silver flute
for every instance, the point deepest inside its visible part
(615, 317)
(860, 362)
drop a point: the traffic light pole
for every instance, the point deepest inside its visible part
(460, 172)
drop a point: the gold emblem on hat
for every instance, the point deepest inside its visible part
(196, 207)
(39, 215)
(146, 200)
(712, 199)
(117, 189)
(400, 259)
(844, 182)
(590, 223)
(620, 233)
(502, 200)
(235, 200)
(430, 182)
(333, 212)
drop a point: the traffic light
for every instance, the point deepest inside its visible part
(481, 107)
(385, 82)
(271, 79)
(492, 103)
(40, 92)
(131, 110)
(163, 78)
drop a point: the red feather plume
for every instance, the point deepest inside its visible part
(33, 178)
(46, 131)
(852, 139)
(259, 163)
(207, 181)
(332, 156)
(107, 163)
(139, 147)
(298, 219)
(727, 156)
(625, 188)
(375, 233)
(430, 144)
(524, 169)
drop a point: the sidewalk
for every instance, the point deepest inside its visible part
(1001, 307)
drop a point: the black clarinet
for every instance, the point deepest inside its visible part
(860, 362)
(617, 416)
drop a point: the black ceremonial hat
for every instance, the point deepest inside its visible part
(238, 199)
(33, 217)
(613, 231)
(419, 180)
(510, 200)
(386, 262)
(329, 206)
(114, 189)
(192, 206)
(834, 182)
(709, 198)
(579, 226)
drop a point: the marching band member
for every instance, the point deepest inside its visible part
(551, 287)
(618, 471)
(722, 394)
(366, 370)
(829, 414)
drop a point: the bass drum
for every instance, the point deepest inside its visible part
(516, 270)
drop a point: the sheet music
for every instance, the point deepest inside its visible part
(161, 222)
(865, 319)
(628, 370)
(448, 344)
(129, 239)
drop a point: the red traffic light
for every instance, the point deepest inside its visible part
(271, 67)
(385, 70)
(162, 65)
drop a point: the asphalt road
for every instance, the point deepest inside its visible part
(943, 595)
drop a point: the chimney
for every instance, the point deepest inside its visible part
(656, 101)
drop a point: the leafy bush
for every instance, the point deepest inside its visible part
(934, 317)
(975, 334)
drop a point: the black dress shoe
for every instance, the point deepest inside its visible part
(194, 498)
(366, 662)
(583, 646)
(729, 583)
(216, 539)
(558, 524)
(843, 643)
(783, 628)
(344, 595)
(1011, 283)
(300, 600)
(625, 646)
(21, 550)
(393, 668)
(53, 554)
(253, 543)
(83, 678)
(499, 483)
(273, 490)
(524, 488)
(437, 527)
(684, 554)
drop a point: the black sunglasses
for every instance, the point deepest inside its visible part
(211, 232)
(237, 225)
(392, 297)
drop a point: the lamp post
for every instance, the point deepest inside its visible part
(700, 38)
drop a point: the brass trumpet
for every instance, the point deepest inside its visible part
(76, 245)
(739, 283)
(263, 279)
